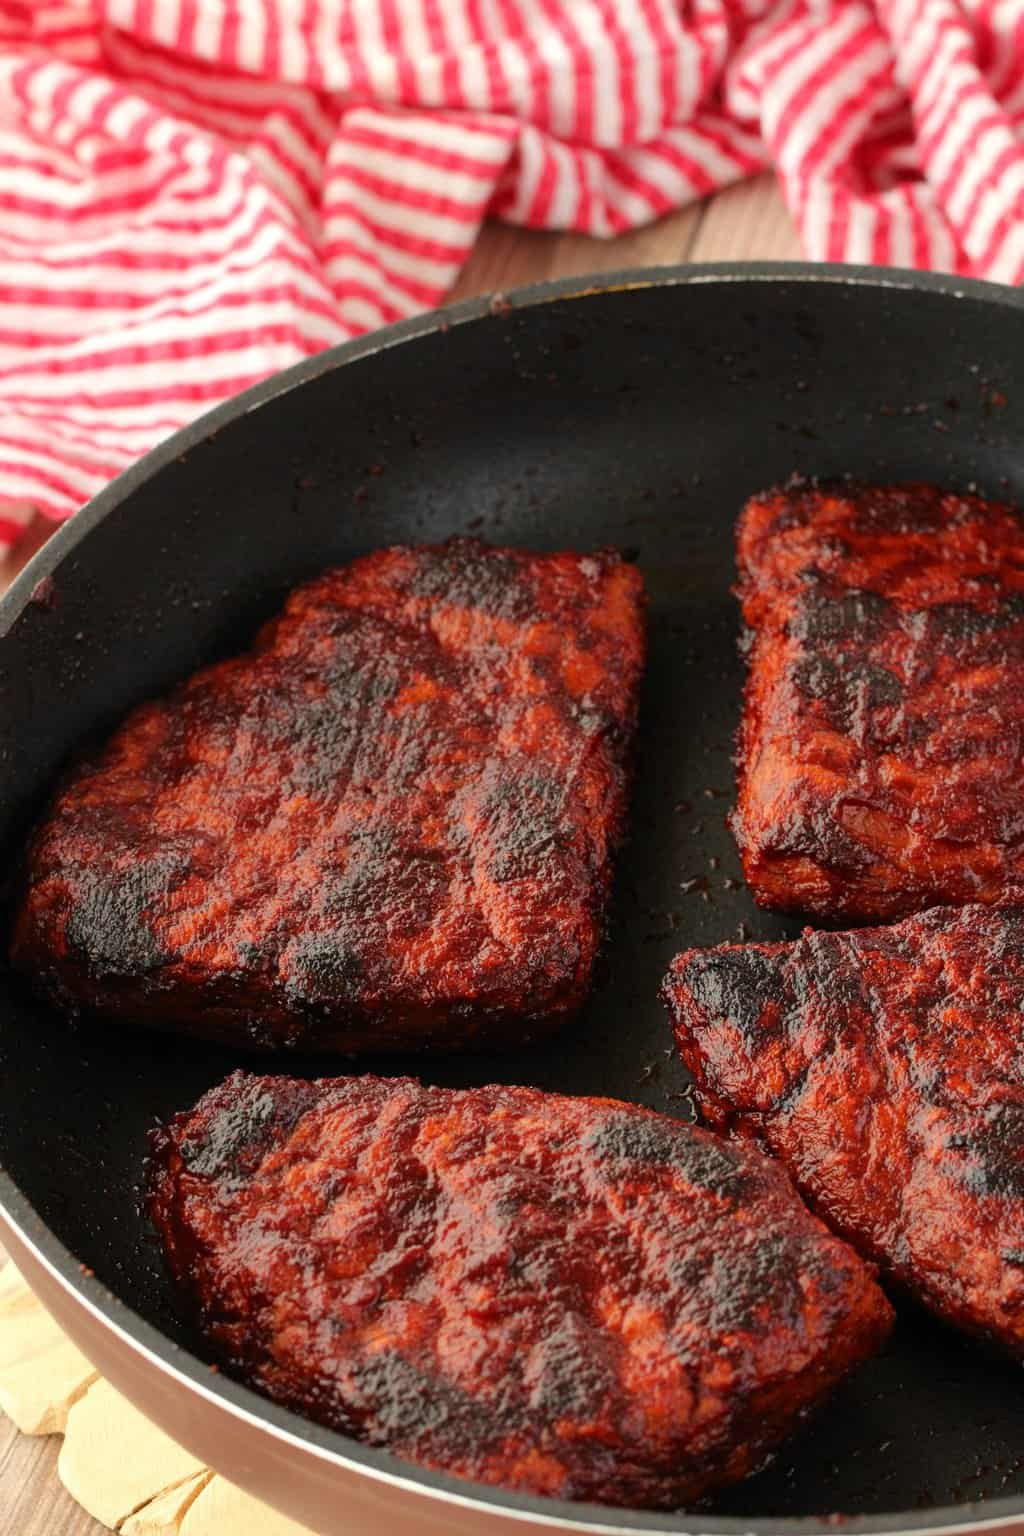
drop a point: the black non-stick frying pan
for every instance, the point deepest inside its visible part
(639, 413)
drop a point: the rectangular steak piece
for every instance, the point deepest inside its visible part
(881, 761)
(885, 1067)
(389, 825)
(564, 1296)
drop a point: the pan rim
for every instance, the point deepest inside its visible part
(831, 274)
(147, 1341)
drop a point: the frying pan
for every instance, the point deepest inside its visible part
(638, 413)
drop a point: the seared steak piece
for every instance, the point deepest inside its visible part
(564, 1296)
(885, 1068)
(388, 825)
(882, 746)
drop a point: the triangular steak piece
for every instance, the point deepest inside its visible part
(881, 753)
(565, 1296)
(885, 1068)
(388, 825)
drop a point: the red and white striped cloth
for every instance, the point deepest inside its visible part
(194, 193)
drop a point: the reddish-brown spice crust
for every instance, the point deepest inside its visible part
(572, 1297)
(388, 825)
(885, 1067)
(881, 754)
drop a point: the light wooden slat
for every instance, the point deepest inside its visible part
(504, 258)
(33, 1501)
(747, 222)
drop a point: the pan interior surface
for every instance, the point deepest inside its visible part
(639, 419)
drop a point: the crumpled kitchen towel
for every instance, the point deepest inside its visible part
(194, 193)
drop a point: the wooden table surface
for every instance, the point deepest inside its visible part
(746, 223)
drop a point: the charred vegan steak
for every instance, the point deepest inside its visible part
(388, 825)
(885, 1067)
(882, 745)
(564, 1296)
